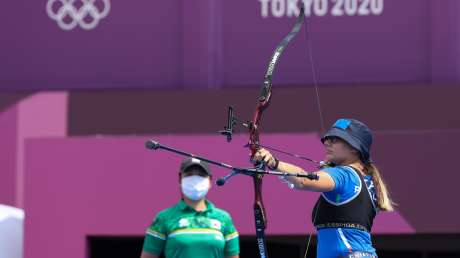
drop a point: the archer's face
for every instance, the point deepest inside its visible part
(337, 150)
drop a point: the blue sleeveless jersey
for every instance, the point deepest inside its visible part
(340, 242)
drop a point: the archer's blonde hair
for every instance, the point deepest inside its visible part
(384, 201)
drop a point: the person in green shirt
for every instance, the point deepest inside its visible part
(194, 227)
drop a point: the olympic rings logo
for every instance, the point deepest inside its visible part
(68, 15)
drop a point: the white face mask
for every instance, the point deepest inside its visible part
(195, 187)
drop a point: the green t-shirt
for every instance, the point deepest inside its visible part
(181, 231)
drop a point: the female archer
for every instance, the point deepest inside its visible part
(352, 190)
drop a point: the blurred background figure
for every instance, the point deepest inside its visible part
(193, 227)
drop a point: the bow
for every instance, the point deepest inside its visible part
(259, 171)
(254, 141)
(253, 127)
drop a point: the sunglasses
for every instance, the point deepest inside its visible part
(332, 139)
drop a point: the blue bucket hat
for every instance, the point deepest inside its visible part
(355, 133)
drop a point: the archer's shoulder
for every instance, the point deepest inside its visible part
(337, 169)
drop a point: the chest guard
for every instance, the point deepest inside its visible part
(359, 213)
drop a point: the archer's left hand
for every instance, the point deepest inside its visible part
(263, 155)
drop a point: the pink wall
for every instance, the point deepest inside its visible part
(75, 187)
(38, 115)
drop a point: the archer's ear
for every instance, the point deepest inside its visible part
(353, 150)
